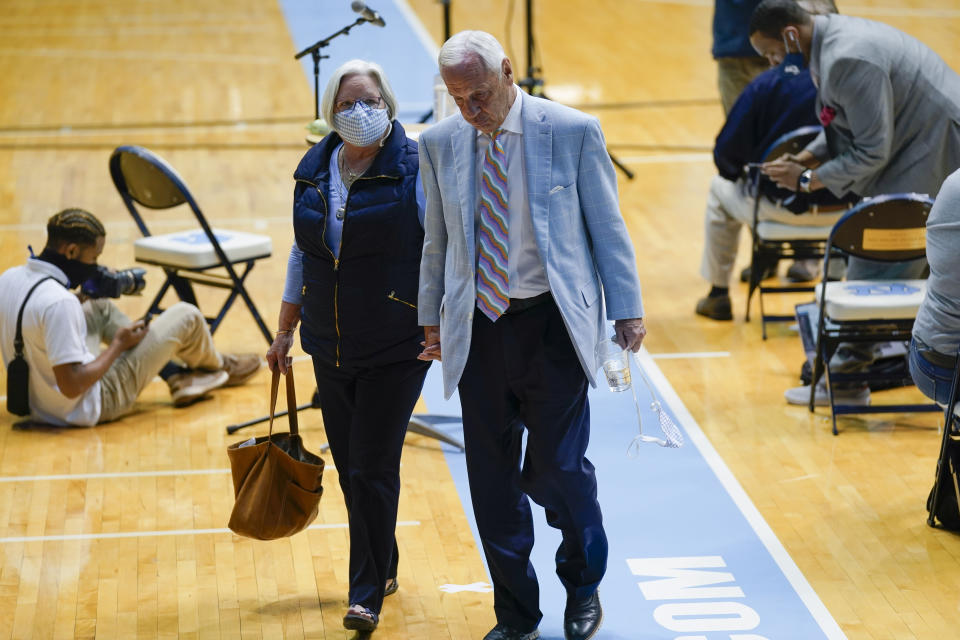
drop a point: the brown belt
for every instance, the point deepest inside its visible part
(518, 305)
(830, 208)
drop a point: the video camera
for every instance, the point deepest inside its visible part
(108, 283)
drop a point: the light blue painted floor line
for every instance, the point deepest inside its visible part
(690, 556)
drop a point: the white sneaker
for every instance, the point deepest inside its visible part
(188, 387)
(801, 396)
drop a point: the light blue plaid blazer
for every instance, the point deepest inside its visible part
(580, 234)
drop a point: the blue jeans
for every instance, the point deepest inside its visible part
(932, 380)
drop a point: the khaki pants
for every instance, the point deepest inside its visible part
(729, 207)
(734, 74)
(179, 333)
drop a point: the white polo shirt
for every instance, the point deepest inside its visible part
(54, 333)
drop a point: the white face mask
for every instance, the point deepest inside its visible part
(360, 125)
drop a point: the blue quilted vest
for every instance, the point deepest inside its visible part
(360, 310)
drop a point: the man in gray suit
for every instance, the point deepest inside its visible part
(522, 228)
(890, 110)
(889, 105)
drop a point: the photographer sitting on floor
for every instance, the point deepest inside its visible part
(69, 384)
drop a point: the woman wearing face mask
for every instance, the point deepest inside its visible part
(352, 279)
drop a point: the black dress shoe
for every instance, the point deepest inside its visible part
(503, 632)
(581, 619)
(715, 308)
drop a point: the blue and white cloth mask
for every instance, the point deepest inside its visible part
(360, 125)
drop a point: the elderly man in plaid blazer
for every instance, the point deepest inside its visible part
(524, 247)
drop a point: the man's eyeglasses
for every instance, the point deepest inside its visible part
(346, 105)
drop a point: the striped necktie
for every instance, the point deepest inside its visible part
(493, 291)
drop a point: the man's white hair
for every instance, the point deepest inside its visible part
(363, 68)
(461, 46)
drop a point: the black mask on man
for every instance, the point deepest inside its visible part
(77, 272)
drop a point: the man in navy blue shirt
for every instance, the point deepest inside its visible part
(778, 101)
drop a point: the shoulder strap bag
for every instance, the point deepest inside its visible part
(18, 372)
(276, 481)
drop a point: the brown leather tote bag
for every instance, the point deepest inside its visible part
(276, 481)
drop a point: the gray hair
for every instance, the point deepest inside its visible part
(357, 67)
(462, 45)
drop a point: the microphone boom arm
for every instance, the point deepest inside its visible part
(319, 44)
(314, 49)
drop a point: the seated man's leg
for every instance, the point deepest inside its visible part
(727, 210)
(860, 269)
(729, 207)
(180, 331)
(722, 221)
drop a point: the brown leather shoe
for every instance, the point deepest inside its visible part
(715, 308)
(240, 367)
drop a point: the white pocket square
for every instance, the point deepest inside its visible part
(559, 187)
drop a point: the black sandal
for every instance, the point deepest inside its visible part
(391, 587)
(359, 618)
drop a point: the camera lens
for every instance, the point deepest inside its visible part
(131, 281)
(113, 284)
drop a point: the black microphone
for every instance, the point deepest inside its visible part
(369, 14)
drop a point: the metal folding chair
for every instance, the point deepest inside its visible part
(190, 256)
(887, 228)
(947, 462)
(773, 241)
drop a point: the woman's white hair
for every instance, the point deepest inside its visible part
(357, 67)
(461, 46)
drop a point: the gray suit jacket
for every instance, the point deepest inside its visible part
(580, 234)
(896, 126)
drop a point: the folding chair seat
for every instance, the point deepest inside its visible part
(187, 256)
(889, 228)
(775, 241)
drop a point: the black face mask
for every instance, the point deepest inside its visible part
(77, 272)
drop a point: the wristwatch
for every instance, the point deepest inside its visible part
(803, 182)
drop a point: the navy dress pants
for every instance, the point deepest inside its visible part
(365, 415)
(522, 372)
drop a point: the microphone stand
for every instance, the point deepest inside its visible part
(446, 36)
(314, 50)
(533, 84)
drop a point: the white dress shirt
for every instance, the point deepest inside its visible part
(525, 272)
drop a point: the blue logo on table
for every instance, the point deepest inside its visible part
(199, 237)
(882, 289)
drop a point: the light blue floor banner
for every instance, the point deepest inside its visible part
(691, 558)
